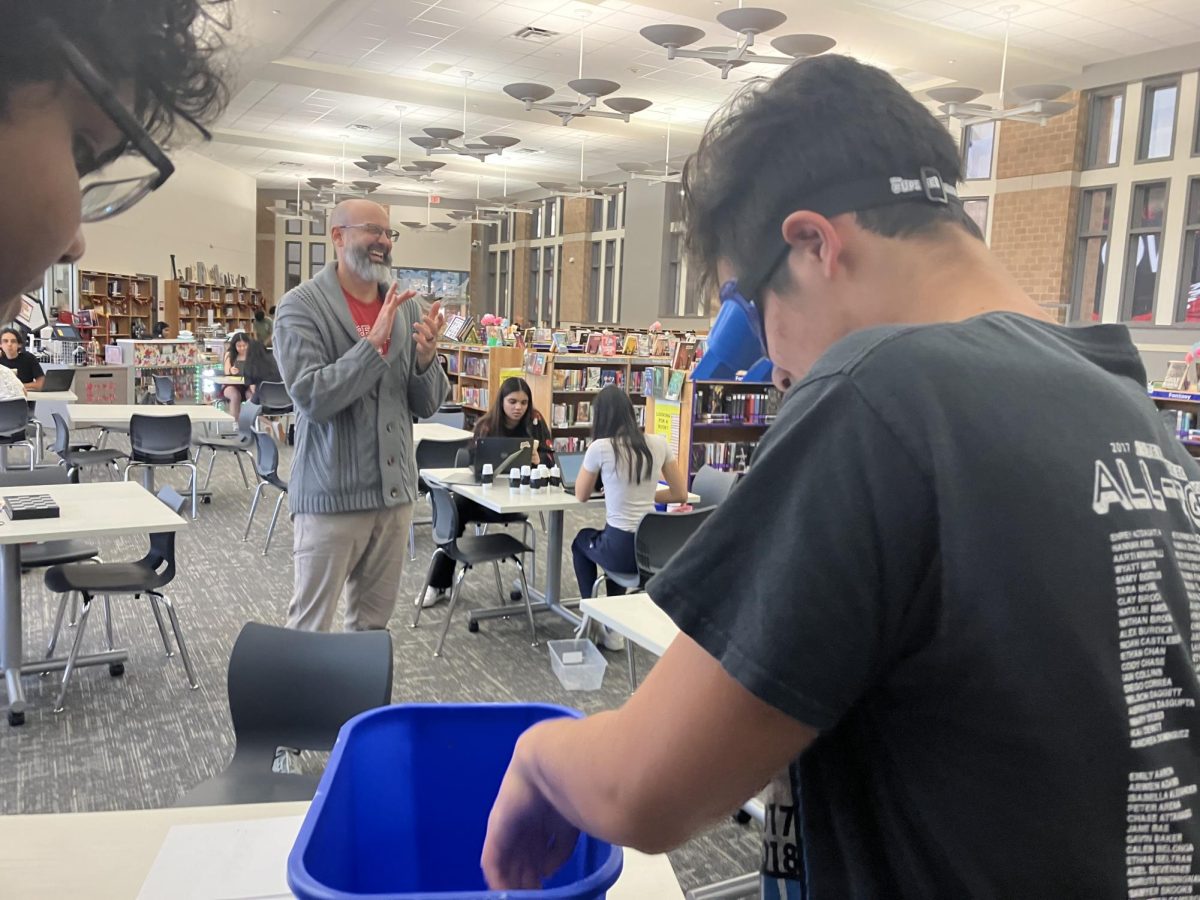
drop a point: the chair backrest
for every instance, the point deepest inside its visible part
(164, 390)
(439, 454)
(160, 439)
(274, 397)
(713, 486)
(59, 380)
(266, 462)
(341, 674)
(247, 416)
(14, 416)
(445, 515)
(660, 535)
(34, 477)
(453, 416)
(62, 435)
(463, 458)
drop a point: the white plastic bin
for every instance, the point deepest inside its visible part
(585, 675)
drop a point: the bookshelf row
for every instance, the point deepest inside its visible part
(113, 305)
(187, 305)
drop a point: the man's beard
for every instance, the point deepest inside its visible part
(357, 258)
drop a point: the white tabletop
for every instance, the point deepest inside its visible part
(499, 497)
(436, 431)
(107, 855)
(87, 510)
(56, 396)
(636, 617)
(83, 415)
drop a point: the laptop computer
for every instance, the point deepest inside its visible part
(570, 465)
(58, 379)
(503, 453)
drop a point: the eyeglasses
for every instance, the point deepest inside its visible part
(105, 199)
(750, 301)
(375, 231)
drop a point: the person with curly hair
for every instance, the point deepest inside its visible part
(81, 85)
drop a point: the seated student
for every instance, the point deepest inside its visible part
(21, 361)
(258, 366)
(235, 360)
(513, 415)
(628, 463)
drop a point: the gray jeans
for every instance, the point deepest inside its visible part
(362, 552)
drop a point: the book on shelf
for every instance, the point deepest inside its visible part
(639, 413)
(569, 444)
(682, 357)
(644, 345)
(569, 379)
(631, 345)
(559, 342)
(593, 343)
(593, 378)
(608, 345)
(727, 456)
(662, 345)
(674, 386)
(570, 415)
(612, 377)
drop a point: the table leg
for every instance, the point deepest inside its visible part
(10, 630)
(148, 478)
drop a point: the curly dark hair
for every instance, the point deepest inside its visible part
(825, 120)
(167, 49)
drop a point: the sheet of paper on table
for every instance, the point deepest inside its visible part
(245, 860)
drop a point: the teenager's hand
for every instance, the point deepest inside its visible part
(426, 332)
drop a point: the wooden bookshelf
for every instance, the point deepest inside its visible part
(186, 305)
(117, 302)
(474, 373)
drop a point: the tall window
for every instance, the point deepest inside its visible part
(669, 304)
(1157, 133)
(293, 226)
(505, 228)
(1188, 309)
(1091, 254)
(551, 209)
(291, 271)
(549, 286)
(614, 212)
(978, 141)
(504, 299)
(598, 210)
(490, 300)
(1143, 258)
(594, 282)
(317, 226)
(610, 274)
(1104, 128)
(316, 258)
(977, 209)
(535, 277)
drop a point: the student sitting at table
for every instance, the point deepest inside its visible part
(235, 361)
(512, 415)
(629, 464)
(21, 361)
(258, 366)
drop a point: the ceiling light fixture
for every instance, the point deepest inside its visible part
(590, 90)
(748, 23)
(503, 204)
(297, 213)
(670, 172)
(420, 170)
(1036, 103)
(441, 140)
(585, 187)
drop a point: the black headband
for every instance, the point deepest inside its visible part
(880, 190)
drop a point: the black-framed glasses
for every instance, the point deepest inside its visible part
(750, 301)
(375, 231)
(104, 198)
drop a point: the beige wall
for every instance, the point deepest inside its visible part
(205, 213)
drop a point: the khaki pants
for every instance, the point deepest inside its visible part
(360, 551)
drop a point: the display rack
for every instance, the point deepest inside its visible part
(116, 304)
(181, 360)
(1185, 423)
(187, 304)
(475, 371)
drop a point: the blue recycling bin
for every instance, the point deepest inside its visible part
(402, 809)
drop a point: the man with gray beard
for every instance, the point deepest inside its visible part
(357, 356)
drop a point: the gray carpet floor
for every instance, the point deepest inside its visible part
(141, 740)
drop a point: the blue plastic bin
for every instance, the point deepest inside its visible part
(402, 809)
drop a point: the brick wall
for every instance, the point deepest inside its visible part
(576, 278)
(1028, 149)
(480, 302)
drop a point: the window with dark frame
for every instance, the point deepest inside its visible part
(977, 209)
(1156, 133)
(598, 213)
(504, 301)
(669, 303)
(549, 284)
(978, 142)
(1188, 308)
(491, 301)
(594, 283)
(1143, 257)
(535, 273)
(293, 252)
(1105, 115)
(610, 259)
(1091, 254)
(316, 258)
(316, 228)
(614, 214)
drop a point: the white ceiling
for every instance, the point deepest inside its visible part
(319, 78)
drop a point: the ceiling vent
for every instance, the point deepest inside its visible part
(358, 126)
(289, 165)
(536, 35)
(437, 68)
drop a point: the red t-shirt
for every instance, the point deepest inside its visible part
(364, 315)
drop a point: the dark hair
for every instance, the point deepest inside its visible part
(272, 310)
(494, 422)
(259, 365)
(166, 48)
(612, 418)
(259, 315)
(231, 346)
(825, 120)
(20, 337)
(160, 328)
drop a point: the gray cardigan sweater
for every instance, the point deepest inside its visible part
(354, 447)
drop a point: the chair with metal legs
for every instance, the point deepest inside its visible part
(238, 445)
(431, 455)
(76, 460)
(468, 551)
(164, 390)
(145, 576)
(14, 417)
(276, 402)
(713, 486)
(266, 466)
(162, 441)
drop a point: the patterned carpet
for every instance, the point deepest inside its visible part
(142, 740)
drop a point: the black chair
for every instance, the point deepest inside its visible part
(342, 674)
(161, 441)
(76, 460)
(267, 469)
(145, 576)
(164, 390)
(713, 486)
(274, 399)
(454, 416)
(14, 418)
(468, 552)
(431, 455)
(239, 444)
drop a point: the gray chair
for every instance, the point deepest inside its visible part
(267, 469)
(162, 442)
(342, 674)
(14, 418)
(147, 575)
(76, 460)
(713, 486)
(164, 390)
(431, 455)
(454, 416)
(239, 444)
(468, 552)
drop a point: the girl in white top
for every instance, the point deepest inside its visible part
(629, 463)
